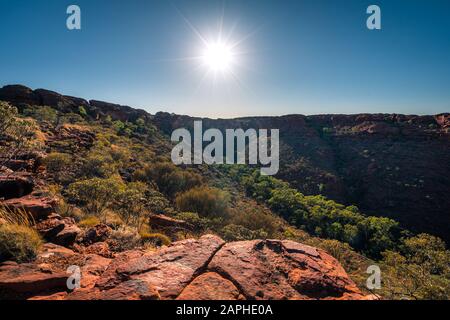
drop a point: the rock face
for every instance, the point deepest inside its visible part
(46, 278)
(203, 269)
(167, 223)
(40, 207)
(58, 230)
(117, 112)
(278, 270)
(58, 101)
(29, 161)
(171, 269)
(27, 278)
(78, 134)
(98, 233)
(19, 94)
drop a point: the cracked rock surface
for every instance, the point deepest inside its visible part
(194, 269)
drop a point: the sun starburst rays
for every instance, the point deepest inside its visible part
(217, 54)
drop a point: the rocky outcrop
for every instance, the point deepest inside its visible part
(38, 206)
(116, 111)
(58, 101)
(18, 94)
(71, 138)
(17, 194)
(98, 233)
(47, 277)
(444, 120)
(29, 161)
(278, 270)
(194, 269)
(23, 279)
(160, 221)
(58, 230)
(172, 268)
(21, 96)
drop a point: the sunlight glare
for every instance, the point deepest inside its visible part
(218, 57)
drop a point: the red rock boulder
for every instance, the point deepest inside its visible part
(280, 270)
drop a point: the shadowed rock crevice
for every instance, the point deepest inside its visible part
(203, 269)
(13, 186)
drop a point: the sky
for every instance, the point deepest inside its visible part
(290, 57)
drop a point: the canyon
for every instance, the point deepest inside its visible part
(387, 164)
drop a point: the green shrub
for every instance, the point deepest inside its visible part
(18, 135)
(157, 202)
(130, 203)
(72, 118)
(82, 111)
(322, 217)
(205, 201)
(169, 178)
(105, 159)
(18, 242)
(255, 219)
(96, 194)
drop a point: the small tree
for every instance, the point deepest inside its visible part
(130, 203)
(96, 194)
(420, 271)
(16, 135)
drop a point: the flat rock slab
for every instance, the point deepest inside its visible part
(166, 271)
(28, 280)
(37, 206)
(279, 270)
(172, 268)
(210, 286)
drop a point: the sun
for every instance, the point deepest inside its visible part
(218, 57)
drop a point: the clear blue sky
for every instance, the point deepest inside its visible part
(300, 56)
